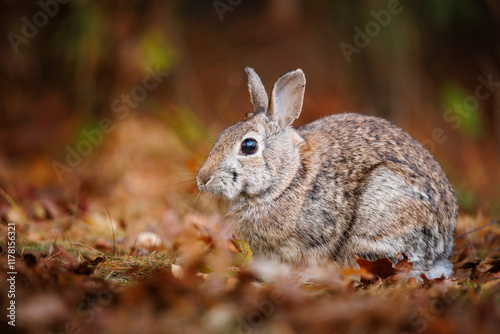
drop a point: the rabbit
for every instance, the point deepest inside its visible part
(343, 187)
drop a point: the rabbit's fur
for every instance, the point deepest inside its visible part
(341, 187)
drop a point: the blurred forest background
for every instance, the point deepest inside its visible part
(107, 108)
(67, 67)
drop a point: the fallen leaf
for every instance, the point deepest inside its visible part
(88, 267)
(245, 257)
(30, 259)
(404, 265)
(463, 254)
(382, 268)
(496, 266)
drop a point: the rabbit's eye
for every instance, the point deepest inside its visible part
(249, 146)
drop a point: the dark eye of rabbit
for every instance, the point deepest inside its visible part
(249, 146)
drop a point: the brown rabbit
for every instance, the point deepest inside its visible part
(341, 187)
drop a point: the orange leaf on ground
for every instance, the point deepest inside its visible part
(380, 268)
(404, 265)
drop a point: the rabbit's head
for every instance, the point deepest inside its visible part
(258, 157)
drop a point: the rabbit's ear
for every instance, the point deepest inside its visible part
(258, 93)
(287, 98)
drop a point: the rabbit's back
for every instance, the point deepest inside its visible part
(384, 190)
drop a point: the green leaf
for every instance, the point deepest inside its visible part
(245, 257)
(459, 110)
(156, 50)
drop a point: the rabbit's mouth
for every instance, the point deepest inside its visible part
(219, 185)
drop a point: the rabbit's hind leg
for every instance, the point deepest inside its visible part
(395, 217)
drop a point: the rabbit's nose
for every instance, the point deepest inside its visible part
(202, 178)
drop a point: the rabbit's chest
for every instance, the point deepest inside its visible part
(293, 230)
